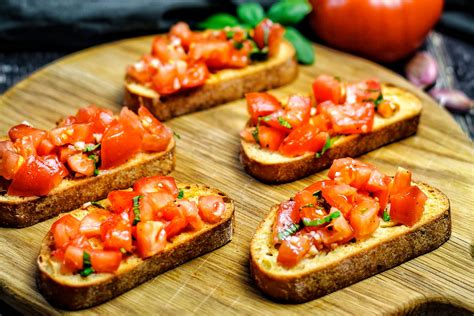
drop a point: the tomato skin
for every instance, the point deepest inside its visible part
(340, 232)
(131, 120)
(191, 213)
(177, 220)
(10, 164)
(116, 233)
(100, 118)
(327, 88)
(261, 104)
(381, 31)
(166, 79)
(303, 139)
(267, 33)
(183, 32)
(292, 250)
(81, 164)
(354, 118)
(165, 50)
(64, 230)
(287, 216)
(407, 206)
(74, 257)
(364, 217)
(196, 75)
(401, 181)
(22, 130)
(364, 91)
(151, 238)
(90, 224)
(80, 132)
(25, 146)
(156, 184)
(270, 138)
(152, 202)
(340, 196)
(247, 135)
(296, 113)
(215, 53)
(121, 201)
(351, 172)
(211, 208)
(119, 144)
(105, 261)
(45, 147)
(37, 176)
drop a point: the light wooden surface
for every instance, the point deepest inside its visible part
(219, 282)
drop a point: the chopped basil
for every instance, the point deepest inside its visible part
(136, 209)
(288, 232)
(265, 118)
(122, 250)
(317, 194)
(326, 146)
(284, 122)
(386, 216)
(95, 158)
(238, 45)
(180, 194)
(86, 271)
(90, 148)
(321, 221)
(255, 134)
(378, 100)
(177, 135)
(97, 204)
(307, 205)
(86, 264)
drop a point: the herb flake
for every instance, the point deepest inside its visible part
(95, 159)
(321, 221)
(176, 135)
(255, 134)
(180, 194)
(90, 148)
(86, 264)
(136, 210)
(284, 122)
(289, 231)
(97, 204)
(386, 216)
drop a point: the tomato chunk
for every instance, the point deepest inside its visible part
(191, 213)
(401, 181)
(353, 118)
(71, 134)
(74, 257)
(156, 184)
(151, 238)
(292, 250)
(116, 233)
(211, 208)
(121, 200)
(90, 224)
(304, 139)
(270, 138)
(340, 196)
(152, 203)
(350, 171)
(81, 164)
(327, 88)
(407, 206)
(10, 164)
(64, 230)
(119, 144)
(22, 130)
(337, 232)
(364, 217)
(286, 220)
(105, 261)
(364, 91)
(261, 104)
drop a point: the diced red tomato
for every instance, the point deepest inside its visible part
(183, 32)
(6, 145)
(337, 232)
(25, 146)
(37, 176)
(64, 230)
(156, 184)
(166, 79)
(296, 113)
(261, 104)
(407, 206)
(22, 130)
(401, 181)
(340, 196)
(328, 88)
(74, 257)
(191, 213)
(131, 120)
(211, 208)
(274, 39)
(292, 250)
(268, 34)
(45, 147)
(386, 108)
(116, 233)
(81, 164)
(176, 220)
(304, 139)
(100, 118)
(71, 134)
(10, 164)
(318, 186)
(105, 261)
(353, 118)
(270, 138)
(144, 70)
(247, 135)
(321, 121)
(151, 238)
(350, 171)
(364, 91)
(287, 216)
(90, 224)
(240, 57)
(121, 200)
(364, 217)
(67, 151)
(195, 75)
(119, 144)
(215, 53)
(152, 203)
(167, 51)
(68, 120)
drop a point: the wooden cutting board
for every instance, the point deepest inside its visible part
(207, 152)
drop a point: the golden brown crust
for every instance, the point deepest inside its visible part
(368, 261)
(22, 212)
(216, 92)
(72, 297)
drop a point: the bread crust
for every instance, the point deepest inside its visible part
(62, 293)
(70, 194)
(226, 86)
(352, 146)
(358, 265)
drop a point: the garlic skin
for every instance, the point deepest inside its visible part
(453, 100)
(422, 70)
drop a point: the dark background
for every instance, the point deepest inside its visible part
(35, 32)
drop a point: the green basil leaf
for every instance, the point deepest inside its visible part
(289, 12)
(219, 21)
(250, 13)
(304, 48)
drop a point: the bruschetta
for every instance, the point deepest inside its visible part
(286, 142)
(44, 173)
(189, 71)
(339, 231)
(105, 248)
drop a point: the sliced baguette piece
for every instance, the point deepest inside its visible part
(18, 211)
(74, 292)
(221, 87)
(272, 167)
(314, 277)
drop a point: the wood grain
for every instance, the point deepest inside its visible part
(207, 152)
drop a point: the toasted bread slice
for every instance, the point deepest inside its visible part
(18, 211)
(75, 292)
(389, 246)
(272, 167)
(221, 87)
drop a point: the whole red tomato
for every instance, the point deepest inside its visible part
(383, 30)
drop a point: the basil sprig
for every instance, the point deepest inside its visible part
(321, 221)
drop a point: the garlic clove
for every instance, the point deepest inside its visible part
(453, 100)
(422, 70)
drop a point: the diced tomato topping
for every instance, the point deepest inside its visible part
(365, 91)
(261, 104)
(328, 88)
(151, 238)
(183, 32)
(74, 257)
(340, 196)
(176, 218)
(295, 113)
(211, 208)
(364, 217)
(121, 200)
(386, 108)
(22, 130)
(100, 118)
(286, 218)
(270, 138)
(304, 139)
(45, 147)
(10, 164)
(105, 261)
(90, 224)
(350, 171)
(353, 118)
(64, 230)
(191, 213)
(25, 146)
(339, 231)
(119, 144)
(116, 233)
(81, 164)
(152, 203)
(268, 34)
(401, 181)
(292, 250)
(156, 184)
(167, 51)
(407, 206)
(247, 135)
(81, 132)
(215, 53)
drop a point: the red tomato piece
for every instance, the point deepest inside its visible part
(364, 217)
(183, 32)
(240, 57)
(318, 186)
(401, 181)
(149, 121)
(25, 146)
(152, 203)
(121, 201)
(296, 113)
(340, 196)
(151, 238)
(37, 176)
(328, 88)
(321, 121)
(119, 144)
(274, 39)
(167, 50)
(304, 139)
(166, 79)
(191, 213)
(80, 132)
(261, 104)
(365, 91)
(176, 220)
(270, 138)
(22, 130)
(211, 208)
(156, 184)
(407, 206)
(386, 108)
(100, 118)
(268, 34)
(10, 164)
(215, 53)
(292, 250)
(353, 118)
(131, 120)
(337, 232)
(90, 224)
(156, 143)
(67, 151)
(74, 257)
(287, 217)
(105, 261)
(116, 233)
(64, 230)
(143, 70)
(247, 135)
(45, 147)
(351, 171)
(195, 75)
(81, 164)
